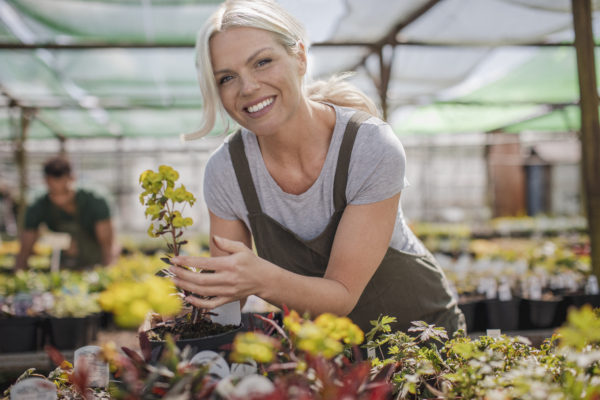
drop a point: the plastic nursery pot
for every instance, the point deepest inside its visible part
(474, 312)
(537, 314)
(20, 334)
(503, 315)
(579, 300)
(218, 343)
(71, 332)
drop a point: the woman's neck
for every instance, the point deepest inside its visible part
(308, 132)
(295, 155)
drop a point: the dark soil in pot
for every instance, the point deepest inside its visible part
(202, 335)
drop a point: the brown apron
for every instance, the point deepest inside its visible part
(87, 249)
(406, 286)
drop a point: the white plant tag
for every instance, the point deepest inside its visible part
(33, 389)
(243, 369)
(494, 333)
(88, 357)
(217, 365)
(227, 314)
(253, 386)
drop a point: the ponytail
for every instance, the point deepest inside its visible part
(338, 91)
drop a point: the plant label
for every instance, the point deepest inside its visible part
(244, 369)
(227, 314)
(494, 333)
(33, 389)
(88, 358)
(217, 365)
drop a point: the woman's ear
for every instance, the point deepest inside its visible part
(301, 58)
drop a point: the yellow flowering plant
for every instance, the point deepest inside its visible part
(165, 201)
(162, 197)
(326, 336)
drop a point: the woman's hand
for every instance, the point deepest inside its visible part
(233, 276)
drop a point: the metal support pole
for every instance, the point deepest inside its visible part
(590, 125)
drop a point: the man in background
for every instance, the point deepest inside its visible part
(82, 213)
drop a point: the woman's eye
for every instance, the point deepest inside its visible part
(225, 79)
(263, 62)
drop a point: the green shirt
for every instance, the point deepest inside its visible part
(91, 208)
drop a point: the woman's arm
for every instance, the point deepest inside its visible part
(234, 230)
(361, 241)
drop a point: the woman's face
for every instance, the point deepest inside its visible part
(260, 83)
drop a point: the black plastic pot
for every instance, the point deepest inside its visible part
(20, 335)
(474, 312)
(72, 332)
(503, 315)
(579, 300)
(218, 343)
(539, 314)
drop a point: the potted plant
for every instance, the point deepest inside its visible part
(19, 326)
(165, 202)
(73, 319)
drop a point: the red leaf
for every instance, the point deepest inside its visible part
(145, 346)
(55, 355)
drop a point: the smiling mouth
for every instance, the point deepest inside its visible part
(260, 106)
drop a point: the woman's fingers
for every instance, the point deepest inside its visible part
(208, 303)
(203, 289)
(212, 263)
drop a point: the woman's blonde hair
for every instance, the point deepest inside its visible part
(271, 17)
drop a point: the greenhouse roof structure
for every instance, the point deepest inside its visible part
(109, 68)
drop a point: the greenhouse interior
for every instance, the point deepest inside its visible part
(495, 104)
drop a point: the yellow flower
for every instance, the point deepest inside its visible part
(292, 322)
(164, 299)
(153, 211)
(253, 346)
(168, 173)
(151, 232)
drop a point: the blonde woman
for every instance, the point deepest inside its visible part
(313, 178)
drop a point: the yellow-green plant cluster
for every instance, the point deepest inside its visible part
(131, 301)
(254, 346)
(326, 335)
(161, 197)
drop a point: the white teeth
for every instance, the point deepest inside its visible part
(260, 106)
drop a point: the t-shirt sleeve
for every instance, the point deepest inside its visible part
(377, 166)
(220, 184)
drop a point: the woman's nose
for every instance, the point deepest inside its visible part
(249, 84)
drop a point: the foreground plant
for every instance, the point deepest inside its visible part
(309, 359)
(566, 366)
(165, 202)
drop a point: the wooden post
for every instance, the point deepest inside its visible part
(21, 161)
(590, 125)
(385, 71)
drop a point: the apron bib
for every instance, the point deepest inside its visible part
(87, 251)
(406, 286)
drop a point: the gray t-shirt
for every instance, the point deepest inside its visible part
(376, 172)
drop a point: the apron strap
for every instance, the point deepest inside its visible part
(242, 172)
(341, 172)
